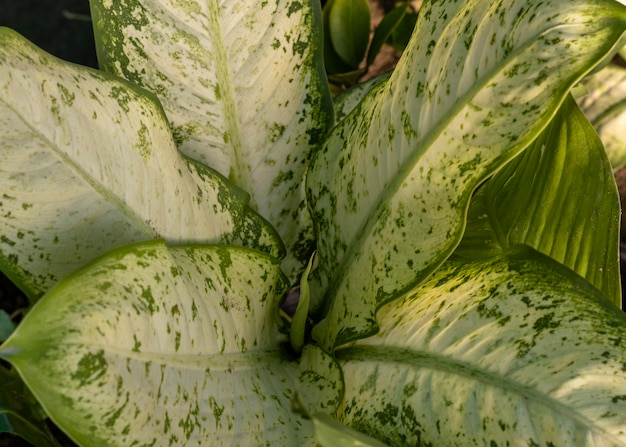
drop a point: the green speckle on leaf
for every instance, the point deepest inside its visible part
(142, 143)
(122, 97)
(546, 322)
(294, 7)
(110, 421)
(191, 421)
(6, 240)
(282, 177)
(175, 311)
(91, 367)
(431, 47)
(300, 46)
(276, 131)
(177, 336)
(217, 410)
(388, 416)
(66, 96)
(104, 286)
(137, 343)
(147, 298)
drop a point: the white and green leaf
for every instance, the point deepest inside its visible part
(559, 197)
(243, 86)
(478, 82)
(151, 345)
(605, 106)
(348, 100)
(515, 350)
(320, 383)
(88, 163)
(319, 394)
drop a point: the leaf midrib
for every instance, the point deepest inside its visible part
(104, 192)
(239, 174)
(214, 362)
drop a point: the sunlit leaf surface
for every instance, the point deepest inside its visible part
(514, 350)
(478, 82)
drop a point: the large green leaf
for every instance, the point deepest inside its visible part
(605, 105)
(243, 86)
(559, 197)
(88, 163)
(515, 350)
(478, 82)
(151, 345)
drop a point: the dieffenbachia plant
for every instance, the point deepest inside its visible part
(157, 213)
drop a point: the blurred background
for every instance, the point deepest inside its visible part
(60, 27)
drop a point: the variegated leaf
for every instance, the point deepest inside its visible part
(88, 163)
(515, 350)
(605, 106)
(320, 391)
(559, 197)
(320, 384)
(151, 345)
(478, 82)
(347, 101)
(243, 86)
